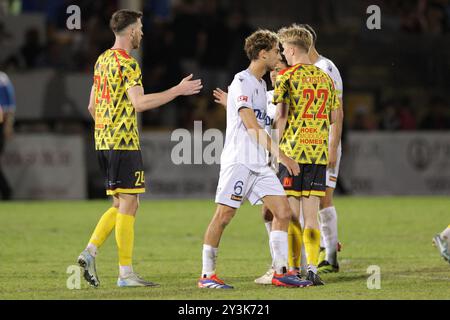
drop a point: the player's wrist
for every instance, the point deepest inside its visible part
(176, 90)
(283, 157)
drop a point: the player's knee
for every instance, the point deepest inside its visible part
(284, 213)
(267, 214)
(129, 205)
(224, 215)
(327, 200)
(116, 203)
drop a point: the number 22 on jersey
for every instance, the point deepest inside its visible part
(310, 95)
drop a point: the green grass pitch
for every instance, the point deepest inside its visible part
(40, 240)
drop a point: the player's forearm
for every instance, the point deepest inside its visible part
(335, 136)
(156, 100)
(91, 110)
(91, 106)
(336, 128)
(278, 126)
(261, 136)
(1, 115)
(280, 121)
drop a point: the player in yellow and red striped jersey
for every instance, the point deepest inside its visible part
(116, 97)
(307, 101)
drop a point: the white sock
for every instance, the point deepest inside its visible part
(303, 259)
(322, 240)
(302, 219)
(92, 249)
(279, 244)
(446, 234)
(303, 251)
(268, 225)
(125, 270)
(328, 227)
(209, 260)
(312, 268)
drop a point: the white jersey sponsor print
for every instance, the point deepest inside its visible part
(245, 92)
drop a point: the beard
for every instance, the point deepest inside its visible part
(135, 42)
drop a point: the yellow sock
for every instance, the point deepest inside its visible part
(125, 238)
(311, 239)
(294, 244)
(104, 227)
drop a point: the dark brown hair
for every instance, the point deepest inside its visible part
(259, 40)
(123, 18)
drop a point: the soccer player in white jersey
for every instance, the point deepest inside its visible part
(221, 98)
(328, 216)
(244, 173)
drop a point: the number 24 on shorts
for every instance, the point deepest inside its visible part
(140, 178)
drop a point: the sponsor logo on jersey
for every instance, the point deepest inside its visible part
(236, 198)
(287, 182)
(262, 115)
(242, 98)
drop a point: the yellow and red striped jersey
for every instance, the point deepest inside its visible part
(115, 117)
(310, 94)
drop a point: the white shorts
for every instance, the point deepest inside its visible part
(332, 174)
(237, 183)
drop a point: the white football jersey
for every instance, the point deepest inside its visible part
(330, 68)
(271, 111)
(245, 92)
(271, 108)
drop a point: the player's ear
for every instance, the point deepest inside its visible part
(262, 54)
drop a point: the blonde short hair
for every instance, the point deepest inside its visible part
(297, 36)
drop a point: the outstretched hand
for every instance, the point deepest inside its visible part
(220, 97)
(188, 87)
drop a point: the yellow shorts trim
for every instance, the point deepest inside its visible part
(120, 190)
(305, 193)
(317, 193)
(293, 193)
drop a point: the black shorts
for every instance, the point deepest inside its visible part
(123, 171)
(310, 181)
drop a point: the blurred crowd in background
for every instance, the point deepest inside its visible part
(394, 79)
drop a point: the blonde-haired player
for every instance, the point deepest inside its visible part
(328, 216)
(308, 102)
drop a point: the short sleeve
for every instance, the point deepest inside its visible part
(131, 73)
(281, 91)
(243, 94)
(338, 85)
